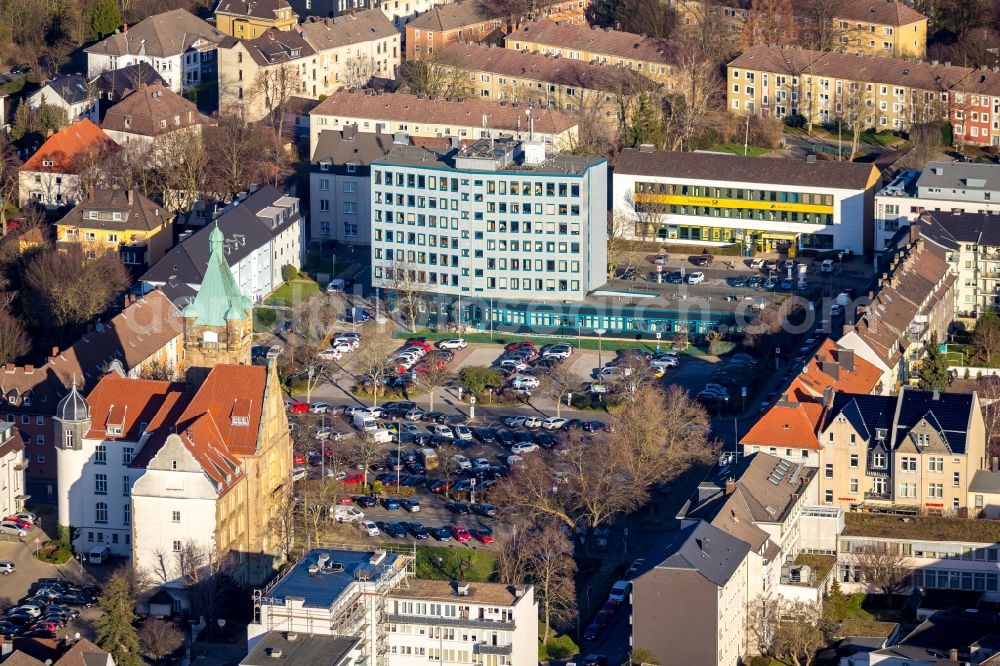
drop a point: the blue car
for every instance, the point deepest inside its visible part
(390, 504)
(357, 316)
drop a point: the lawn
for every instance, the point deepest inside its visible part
(737, 149)
(879, 139)
(292, 293)
(921, 527)
(441, 563)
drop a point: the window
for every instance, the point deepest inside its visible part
(101, 484)
(350, 187)
(854, 485)
(101, 455)
(324, 205)
(324, 184)
(878, 461)
(828, 496)
(829, 471)
(175, 516)
(908, 464)
(101, 513)
(935, 464)
(350, 208)
(127, 455)
(127, 514)
(854, 459)
(956, 479)
(126, 487)
(908, 490)
(935, 490)
(177, 546)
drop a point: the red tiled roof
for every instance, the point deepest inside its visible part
(226, 387)
(119, 401)
(826, 370)
(66, 145)
(788, 424)
(208, 446)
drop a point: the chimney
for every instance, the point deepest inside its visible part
(28, 369)
(827, 396)
(994, 464)
(130, 196)
(55, 351)
(462, 588)
(90, 193)
(6, 647)
(953, 655)
(937, 395)
(846, 359)
(810, 159)
(48, 133)
(730, 486)
(705, 545)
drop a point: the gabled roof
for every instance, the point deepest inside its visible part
(131, 406)
(84, 653)
(739, 169)
(121, 81)
(360, 28)
(788, 423)
(704, 548)
(883, 12)
(162, 35)
(416, 109)
(274, 47)
(951, 230)
(262, 9)
(138, 212)
(837, 368)
(350, 145)
(151, 111)
(229, 389)
(67, 148)
(538, 67)
(452, 16)
(72, 88)
(593, 40)
(201, 437)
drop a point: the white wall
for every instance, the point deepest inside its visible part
(74, 112)
(11, 481)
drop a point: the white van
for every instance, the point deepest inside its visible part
(364, 422)
(99, 554)
(336, 285)
(382, 435)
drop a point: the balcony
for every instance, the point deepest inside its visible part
(873, 495)
(483, 648)
(437, 621)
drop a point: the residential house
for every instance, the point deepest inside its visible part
(984, 492)
(766, 205)
(262, 233)
(248, 19)
(960, 636)
(887, 93)
(12, 466)
(350, 51)
(413, 182)
(112, 86)
(71, 93)
(444, 24)
(340, 184)
(178, 45)
(524, 78)
(148, 116)
(121, 220)
(306, 649)
(887, 28)
(53, 177)
(327, 8)
(913, 304)
(373, 597)
(144, 339)
(710, 570)
(250, 71)
(436, 118)
(57, 652)
(649, 56)
(834, 368)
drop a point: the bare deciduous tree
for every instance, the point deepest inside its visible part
(9, 164)
(14, 341)
(551, 568)
(797, 634)
(697, 89)
(556, 383)
(316, 497)
(183, 169)
(159, 638)
(359, 70)
(370, 362)
(437, 76)
(365, 450)
(769, 22)
(649, 212)
(620, 228)
(433, 379)
(883, 567)
(405, 289)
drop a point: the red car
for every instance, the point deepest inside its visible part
(430, 366)
(300, 459)
(299, 408)
(483, 535)
(526, 344)
(47, 625)
(353, 479)
(419, 342)
(460, 533)
(20, 522)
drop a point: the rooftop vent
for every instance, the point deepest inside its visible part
(462, 588)
(274, 653)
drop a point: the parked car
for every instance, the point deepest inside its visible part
(370, 527)
(523, 447)
(486, 509)
(7, 567)
(330, 354)
(458, 508)
(299, 408)
(483, 535)
(553, 423)
(418, 531)
(460, 533)
(696, 278)
(454, 343)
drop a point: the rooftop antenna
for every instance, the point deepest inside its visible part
(531, 124)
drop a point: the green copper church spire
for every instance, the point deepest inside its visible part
(219, 299)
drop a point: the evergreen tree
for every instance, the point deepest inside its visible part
(22, 120)
(933, 373)
(104, 18)
(645, 123)
(116, 627)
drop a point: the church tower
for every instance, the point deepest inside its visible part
(218, 324)
(72, 423)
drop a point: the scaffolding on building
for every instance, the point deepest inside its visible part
(360, 611)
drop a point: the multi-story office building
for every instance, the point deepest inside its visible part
(828, 87)
(436, 118)
(374, 598)
(519, 77)
(917, 450)
(763, 204)
(868, 27)
(648, 56)
(494, 219)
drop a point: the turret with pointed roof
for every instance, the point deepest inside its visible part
(218, 323)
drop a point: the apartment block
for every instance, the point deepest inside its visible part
(494, 219)
(886, 28)
(917, 450)
(881, 93)
(248, 19)
(463, 21)
(436, 118)
(765, 205)
(648, 56)
(522, 78)
(374, 598)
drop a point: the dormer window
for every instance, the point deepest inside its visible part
(93, 215)
(114, 430)
(47, 163)
(240, 420)
(163, 123)
(12, 398)
(117, 217)
(26, 401)
(127, 121)
(352, 167)
(878, 460)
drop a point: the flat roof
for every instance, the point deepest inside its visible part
(300, 648)
(322, 589)
(442, 590)
(930, 528)
(419, 156)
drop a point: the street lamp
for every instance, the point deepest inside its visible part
(599, 332)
